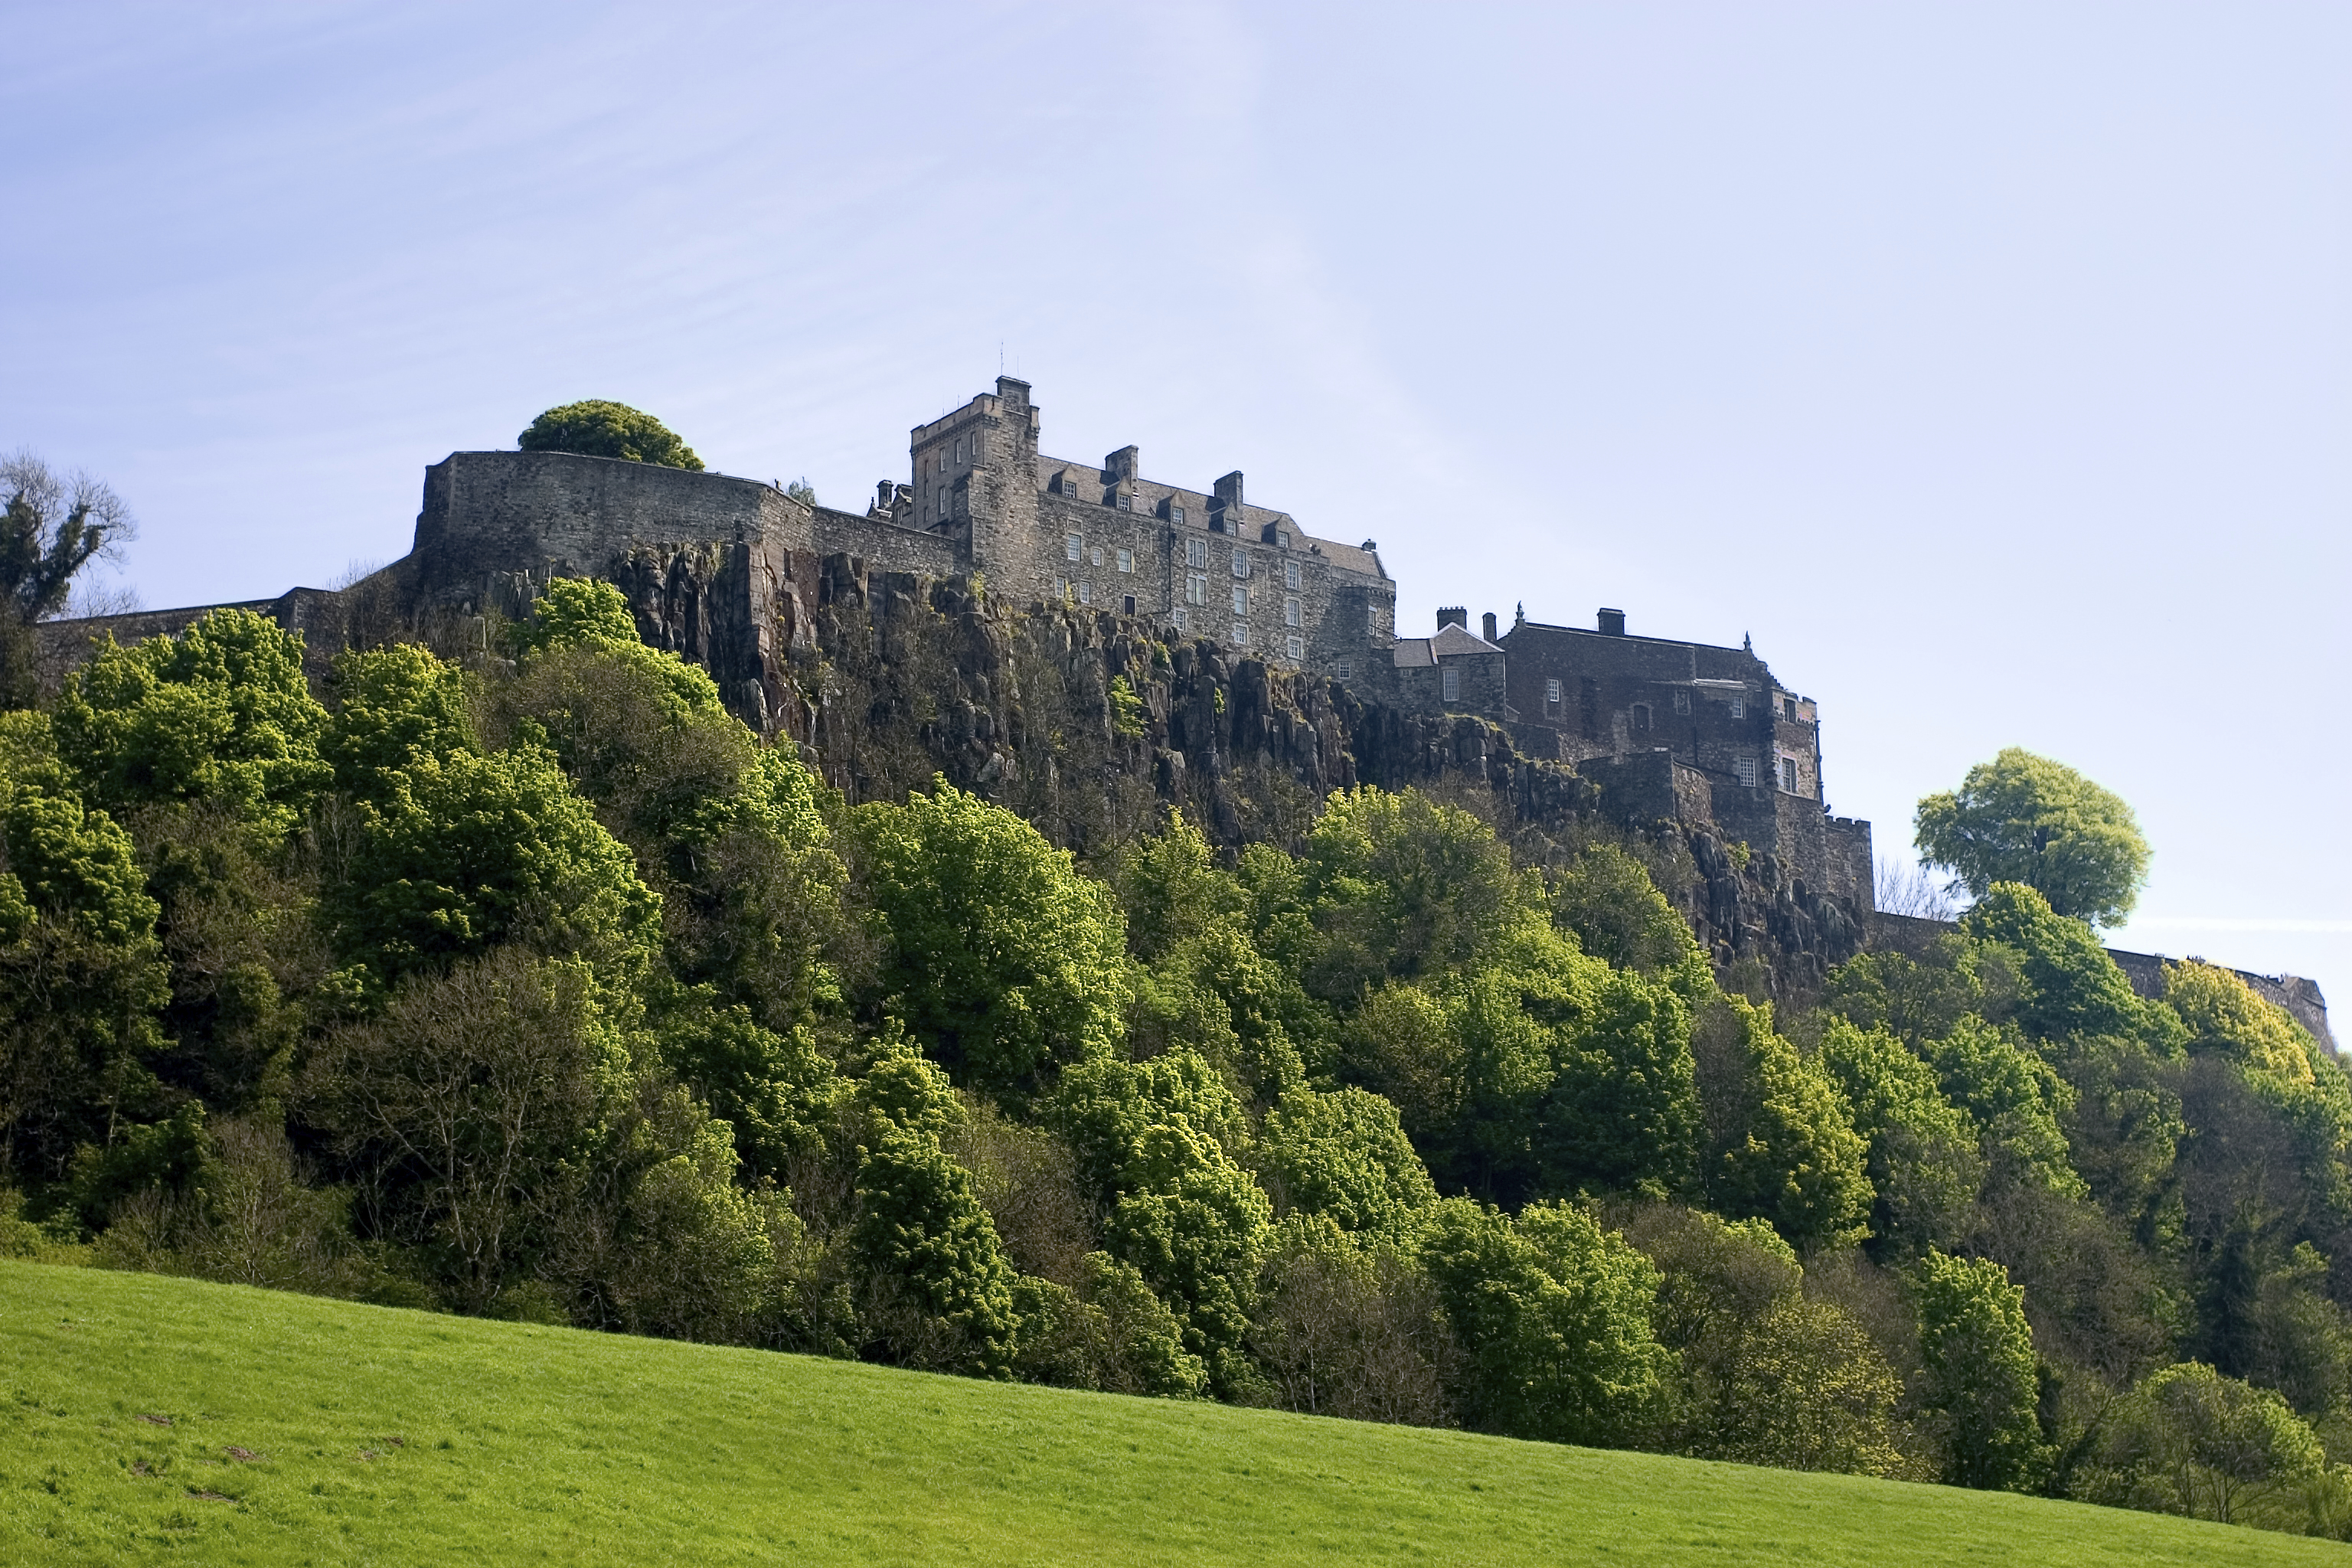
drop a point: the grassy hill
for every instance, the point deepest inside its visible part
(149, 1418)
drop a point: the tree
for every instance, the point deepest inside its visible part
(1779, 1146)
(53, 526)
(393, 707)
(1345, 1156)
(1922, 1158)
(2025, 818)
(1003, 960)
(1980, 1383)
(1402, 886)
(597, 429)
(1553, 1317)
(222, 712)
(2188, 1440)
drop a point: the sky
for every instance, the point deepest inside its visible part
(1986, 365)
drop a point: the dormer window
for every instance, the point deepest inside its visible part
(1126, 503)
(1179, 513)
(1282, 539)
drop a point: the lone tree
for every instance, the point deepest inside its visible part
(2023, 818)
(55, 524)
(597, 429)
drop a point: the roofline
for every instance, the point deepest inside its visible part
(1635, 636)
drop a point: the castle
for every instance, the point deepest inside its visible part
(733, 572)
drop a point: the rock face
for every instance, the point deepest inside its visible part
(1092, 724)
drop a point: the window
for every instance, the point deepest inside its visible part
(1179, 514)
(1746, 768)
(1196, 588)
(1451, 678)
(1372, 619)
(1085, 593)
(1095, 554)
(1739, 710)
(1290, 573)
(1241, 562)
(1346, 669)
(1241, 634)
(958, 449)
(1182, 618)
(1789, 709)
(1682, 701)
(1072, 546)
(1196, 554)
(1789, 774)
(1126, 503)
(1296, 647)
(1126, 605)
(1551, 693)
(1290, 612)
(1641, 715)
(1283, 539)
(943, 503)
(1241, 600)
(1061, 588)
(1126, 559)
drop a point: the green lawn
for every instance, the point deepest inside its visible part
(310, 1431)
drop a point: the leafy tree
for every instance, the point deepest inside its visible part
(2066, 983)
(394, 706)
(1922, 1158)
(1553, 1318)
(1779, 1145)
(1980, 1383)
(1402, 886)
(53, 526)
(2190, 1441)
(2025, 818)
(1005, 960)
(220, 712)
(1345, 1156)
(81, 973)
(1608, 900)
(1351, 1329)
(597, 429)
(469, 851)
(2018, 1101)
(945, 1290)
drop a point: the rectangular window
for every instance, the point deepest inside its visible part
(1095, 554)
(958, 449)
(1372, 619)
(1196, 588)
(1126, 503)
(1179, 514)
(1296, 646)
(1290, 612)
(1746, 768)
(1126, 559)
(1451, 677)
(1241, 563)
(1789, 774)
(1739, 710)
(1085, 593)
(1196, 554)
(1182, 618)
(1241, 600)
(1127, 605)
(1290, 573)
(1346, 669)
(1682, 701)
(1072, 546)
(1241, 634)
(1061, 588)
(1551, 692)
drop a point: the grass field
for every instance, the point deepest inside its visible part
(150, 1419)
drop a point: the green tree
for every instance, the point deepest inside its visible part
(1922, 1158)
(466, 851)
(1344, 1154)
(1003, 960)
(220, 712)
(597, 429)
(2190, 1441)
(2065, 983)
(394, 706)
(1980, 1383)
(2025, 818)
(1400, 885)
(1553, 1318)
(52, 527)
(941, 1291)
(2018, 1101)
(1779, 1146)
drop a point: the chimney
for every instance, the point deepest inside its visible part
(1489, 622)
(1453, 615)
(1228, 491)
(1121, 465)
(1014, 391)
(1612, 623)
(882, 493)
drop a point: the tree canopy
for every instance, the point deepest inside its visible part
(2025, 818)
(599, 428)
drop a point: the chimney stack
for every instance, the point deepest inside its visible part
(1490, 626)
(1612, 623)
(1453, 615)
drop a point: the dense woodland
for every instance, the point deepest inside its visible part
(537, 987)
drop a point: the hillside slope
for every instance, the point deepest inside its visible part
(371, 1435)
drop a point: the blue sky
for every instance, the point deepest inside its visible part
(1988, 363)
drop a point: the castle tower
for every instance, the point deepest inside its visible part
(975, 475)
